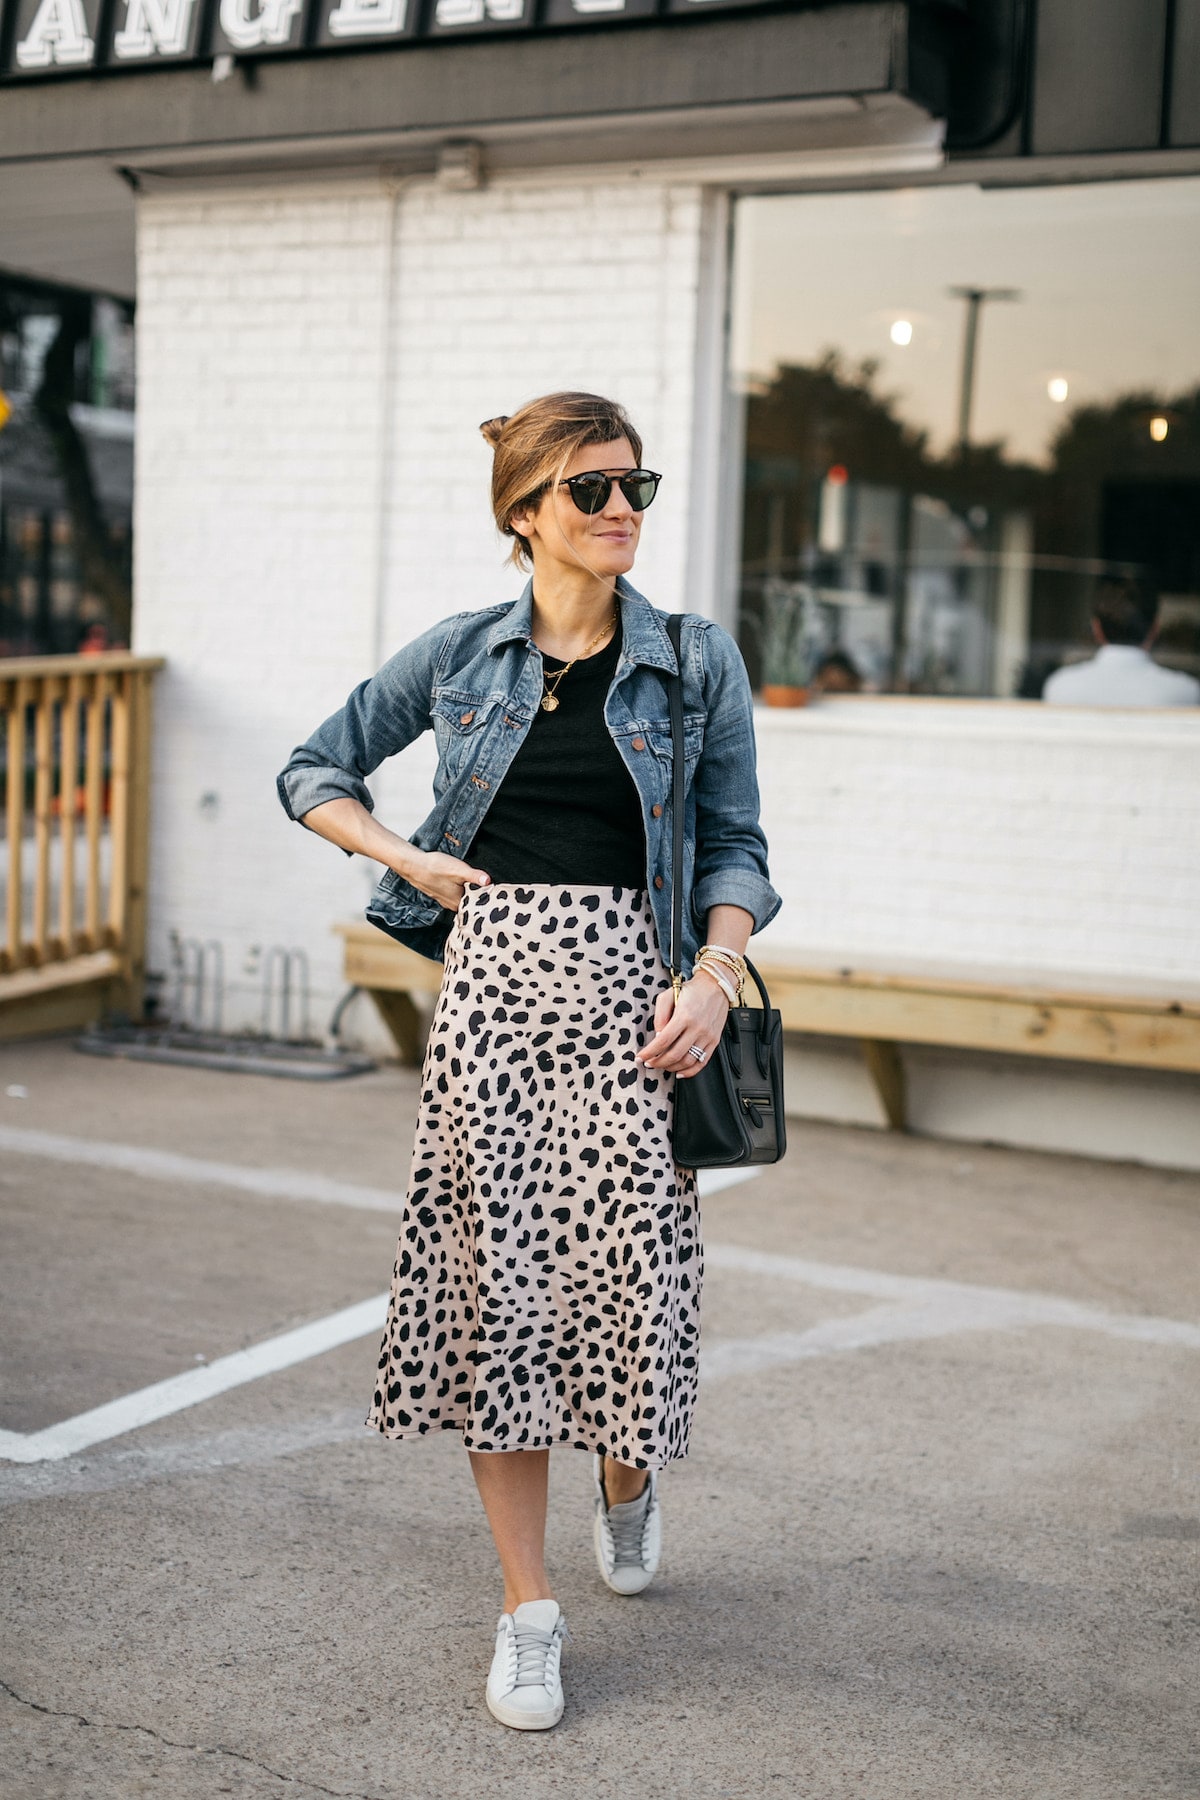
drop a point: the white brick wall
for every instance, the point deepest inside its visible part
(1005, 839)
(260, 331)
(312, 489)
(504, 293)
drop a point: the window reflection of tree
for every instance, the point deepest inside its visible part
(1111, 495)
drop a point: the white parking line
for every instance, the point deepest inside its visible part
(969, 1308)
(180, 1391)
(167, 1167)
(914, 1308)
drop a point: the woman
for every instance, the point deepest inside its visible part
(547, 1284)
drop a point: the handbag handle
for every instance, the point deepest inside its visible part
(675, 699)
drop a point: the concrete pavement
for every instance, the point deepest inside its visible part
(939, 1534)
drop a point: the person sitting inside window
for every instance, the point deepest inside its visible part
(1122, 672)
(837, 673)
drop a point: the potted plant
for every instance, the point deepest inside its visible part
(786, 667)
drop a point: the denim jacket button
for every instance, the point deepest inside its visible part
(656, 811)
(639, 743)
(658, 881)
(466, 718)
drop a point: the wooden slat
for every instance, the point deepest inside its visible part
(33, 668)
(1155, 1034)
(68, 784)
(26, 984)
(93, 788)
(43, 778)
(118, 822)
(375, 961)
(61, 997)
(15, 819)
(874, 980)
(130, 999)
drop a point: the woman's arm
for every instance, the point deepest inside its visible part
(324, 783)
(731, 848)
(731, 891)
(381, 717)
(731, 927)
(348, 824)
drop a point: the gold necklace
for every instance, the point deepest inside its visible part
(550, 694)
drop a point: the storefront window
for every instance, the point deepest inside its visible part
(66, 469)
(962, 414)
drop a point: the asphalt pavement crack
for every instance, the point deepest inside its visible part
(54, 1712)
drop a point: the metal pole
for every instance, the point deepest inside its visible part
(975, 298)
(966, 392)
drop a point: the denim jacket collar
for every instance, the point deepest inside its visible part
(644, 639)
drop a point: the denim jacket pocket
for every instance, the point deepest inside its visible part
(397, 905)
(460, 720)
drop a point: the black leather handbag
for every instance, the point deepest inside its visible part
(731, 1113)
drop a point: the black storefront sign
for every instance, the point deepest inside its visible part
(64, 37)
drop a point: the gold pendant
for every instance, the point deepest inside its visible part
(549, 704)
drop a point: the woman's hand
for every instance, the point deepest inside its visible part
(444, 878)
(347, 823)
(697, 1017)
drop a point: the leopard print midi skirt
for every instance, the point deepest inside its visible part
(547, 1281)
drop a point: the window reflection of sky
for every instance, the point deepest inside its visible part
(1109, 276)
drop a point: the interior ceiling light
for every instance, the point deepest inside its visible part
(901, 332)
(1058, 388)
(1159, 428)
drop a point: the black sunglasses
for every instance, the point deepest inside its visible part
(590, 491)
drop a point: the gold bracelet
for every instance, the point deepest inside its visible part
(722, 955)
(726, 959)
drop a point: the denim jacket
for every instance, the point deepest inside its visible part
(476, 679)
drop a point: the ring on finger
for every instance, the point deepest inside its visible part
(698, 1052)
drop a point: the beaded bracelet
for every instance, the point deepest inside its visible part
(726, 989)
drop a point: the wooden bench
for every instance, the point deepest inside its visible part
(880, 1011)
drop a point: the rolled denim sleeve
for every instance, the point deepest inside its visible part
(731, 848)
(382, 716)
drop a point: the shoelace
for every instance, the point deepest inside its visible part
(627, 1533)
(533, 1650)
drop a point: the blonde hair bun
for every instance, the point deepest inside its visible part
(492, 429)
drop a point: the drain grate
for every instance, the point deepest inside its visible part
(244, 1055)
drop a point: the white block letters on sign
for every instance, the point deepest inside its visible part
(58, 35)
(452, 13)
(153, 28)
(249, 25)
(367, 18)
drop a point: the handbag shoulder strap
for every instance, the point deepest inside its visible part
(675, 697)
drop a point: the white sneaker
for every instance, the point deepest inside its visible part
(628, 1537)
(524, 1688)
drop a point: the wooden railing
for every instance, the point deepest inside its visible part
(76, 756)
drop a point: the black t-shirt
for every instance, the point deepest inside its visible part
(567, 810)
